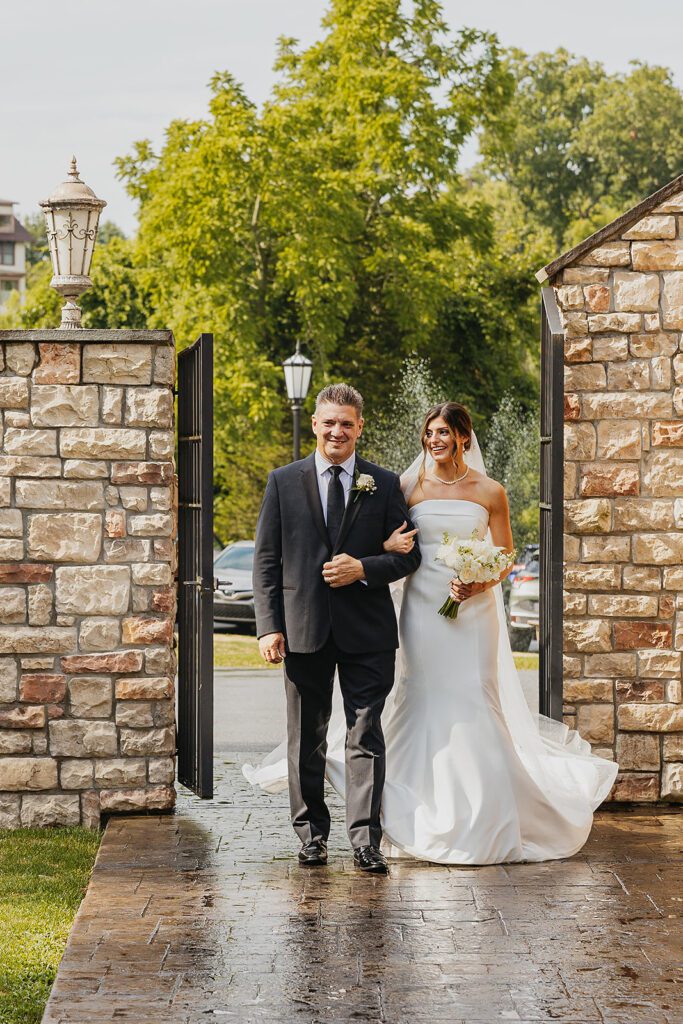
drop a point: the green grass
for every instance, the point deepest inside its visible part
(230, 651)
(525, 660)
(43, 877)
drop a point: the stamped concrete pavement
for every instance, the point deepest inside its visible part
(205, 915)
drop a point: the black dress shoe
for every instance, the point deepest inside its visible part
(368, 858)
(313, 854)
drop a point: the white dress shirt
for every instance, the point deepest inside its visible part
(322, 467)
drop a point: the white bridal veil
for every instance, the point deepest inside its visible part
(547, 748)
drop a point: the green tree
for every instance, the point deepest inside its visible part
(37, 249)
(633, 139)
(579, 146)
(333, 215)
(512, 457)
(531, 146)
(117, 299)
(392, 438)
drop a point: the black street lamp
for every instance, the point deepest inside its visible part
(298, 370)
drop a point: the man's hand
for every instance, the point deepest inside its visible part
(342, 571)
(272, 647)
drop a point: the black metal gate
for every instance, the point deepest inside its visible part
(551, 508)
(195, 567)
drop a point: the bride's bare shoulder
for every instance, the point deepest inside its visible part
(494, 492)
(416, 496)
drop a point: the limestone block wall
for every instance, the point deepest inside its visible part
(87, 562)
(622, 307)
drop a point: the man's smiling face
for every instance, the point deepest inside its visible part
(337, 428)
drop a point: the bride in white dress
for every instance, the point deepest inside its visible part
(472, 776)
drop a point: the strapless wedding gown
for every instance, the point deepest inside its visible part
(472, 777)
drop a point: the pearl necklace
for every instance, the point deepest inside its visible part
(449, 483)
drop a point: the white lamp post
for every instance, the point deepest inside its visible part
(298, 370)
(72, 214)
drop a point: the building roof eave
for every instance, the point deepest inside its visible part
(615, 227)
(17, 233)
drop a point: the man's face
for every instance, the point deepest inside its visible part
(337, 428)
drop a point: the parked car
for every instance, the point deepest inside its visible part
(233, 599)
(529, 553)
(523, 606)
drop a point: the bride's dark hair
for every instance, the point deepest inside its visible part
(458, 420)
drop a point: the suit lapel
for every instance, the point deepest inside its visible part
(310, 482)
(351, 511)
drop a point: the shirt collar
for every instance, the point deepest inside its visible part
(322, 465)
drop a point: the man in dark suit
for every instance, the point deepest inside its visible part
(321, 590)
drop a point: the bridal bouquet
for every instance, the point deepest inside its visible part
(472, 561)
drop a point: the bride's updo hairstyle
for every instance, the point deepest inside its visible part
(458, 420)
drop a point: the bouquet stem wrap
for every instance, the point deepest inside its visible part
(450, 608)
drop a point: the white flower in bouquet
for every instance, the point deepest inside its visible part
(472, 561)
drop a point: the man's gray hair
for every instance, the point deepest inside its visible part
(340, 394)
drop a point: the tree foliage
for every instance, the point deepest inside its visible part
(117, 299)
(512, 457)
(336, 215)
(333, 215)
(579, 146)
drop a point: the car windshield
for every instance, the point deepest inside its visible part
(236, 558)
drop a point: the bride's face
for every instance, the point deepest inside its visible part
(439, 441)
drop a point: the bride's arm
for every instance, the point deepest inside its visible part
(402, 540)
(392, 565)
(501, 536)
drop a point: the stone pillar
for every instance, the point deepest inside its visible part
(87, 564)
(622, 307)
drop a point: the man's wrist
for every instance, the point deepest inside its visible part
(361, 569)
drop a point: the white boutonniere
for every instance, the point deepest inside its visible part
(364, 484)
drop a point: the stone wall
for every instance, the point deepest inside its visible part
(87, 563)
(622, 307)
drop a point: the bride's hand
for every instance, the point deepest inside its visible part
(461, 591)
(399, 542)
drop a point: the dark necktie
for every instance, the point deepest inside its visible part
(335, 504)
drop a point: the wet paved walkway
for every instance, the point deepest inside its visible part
(204, 915)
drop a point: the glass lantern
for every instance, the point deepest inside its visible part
(72, 215)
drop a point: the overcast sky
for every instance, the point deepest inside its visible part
(91, 77)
